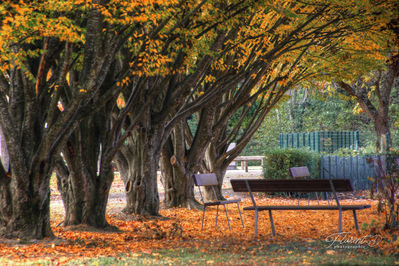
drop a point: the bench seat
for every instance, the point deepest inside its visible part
(316, 207)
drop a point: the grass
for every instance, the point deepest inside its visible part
(314, 253)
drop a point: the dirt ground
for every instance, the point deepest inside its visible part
(117, 200)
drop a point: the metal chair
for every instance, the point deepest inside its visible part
(210, 180)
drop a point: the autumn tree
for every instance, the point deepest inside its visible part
(192, 40)
(55, 57)
(381, 86)
(277, 39)
(34, 45)
(85, 172)
(296, 35)
(374, 91)
(370, 75)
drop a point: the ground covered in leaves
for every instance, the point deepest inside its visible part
(309, 234)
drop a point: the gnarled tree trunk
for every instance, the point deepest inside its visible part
(179, 163)
(84, 195)
(24, 198)
(24, 214)
(86, 178)
(176, 176)
(137, 163)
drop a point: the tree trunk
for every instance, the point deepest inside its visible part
(179, 163)
(173, 176)
(70, 186)
(85, 196)
(24, 191)
(138, 165)
(177, 179)
(382, 130)
(217, 167)
(86, 178)
(24, 209)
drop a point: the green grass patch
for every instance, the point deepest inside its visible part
(314, 253)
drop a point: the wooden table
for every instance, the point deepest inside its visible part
(245, 159)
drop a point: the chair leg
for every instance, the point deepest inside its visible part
(227, 216)
(239, 211)
(340, 222)
(217, 213)
(203, 217)
(256, 222)
(271, 222)
(356, 224)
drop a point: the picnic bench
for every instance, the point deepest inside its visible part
(297, 185)
(245, 159)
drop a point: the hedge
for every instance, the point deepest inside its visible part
(277, 162)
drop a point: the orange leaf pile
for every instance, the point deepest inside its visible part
(179, 228)
(183, 229)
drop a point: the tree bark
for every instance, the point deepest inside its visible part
(217, 167)
(173, 176)
(183, 156)
(24, 216)
(85, 180)
(176, 176)
(24, 202)
(85, 196)
(382, 130)
(137, 163)
(24, 187)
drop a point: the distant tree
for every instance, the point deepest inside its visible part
(380, 86)
(377, 68)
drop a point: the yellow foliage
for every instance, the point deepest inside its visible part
(357, 109)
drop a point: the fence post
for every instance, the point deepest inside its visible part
(356, 136)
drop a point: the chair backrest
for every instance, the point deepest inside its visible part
(291, 185)
(301, 171)
(205, 179)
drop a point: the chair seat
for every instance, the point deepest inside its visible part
(222, 202)
(318, 207)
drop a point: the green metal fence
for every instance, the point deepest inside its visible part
(321, 141)
(354, 168)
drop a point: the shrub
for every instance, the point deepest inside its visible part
(278, 162)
